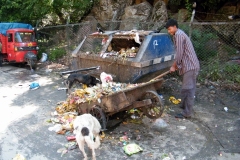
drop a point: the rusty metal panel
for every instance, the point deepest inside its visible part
(115, 102)
(121, 71)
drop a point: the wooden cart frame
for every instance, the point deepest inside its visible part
(143, 97)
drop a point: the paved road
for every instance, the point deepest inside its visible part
(24, 130)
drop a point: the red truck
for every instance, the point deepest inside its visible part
(18, 44)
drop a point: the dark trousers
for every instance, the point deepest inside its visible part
(188, 92)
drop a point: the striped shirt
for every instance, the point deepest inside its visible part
(186, 58)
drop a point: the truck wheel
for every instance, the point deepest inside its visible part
(1, 59)
(33, 64)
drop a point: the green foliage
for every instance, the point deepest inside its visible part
(174, 2)
(234, 71)
(56, 53)
(202, 38)
(211, 4)
(215, 70)
(33, 11)
(230, 50)
(41, 50)
(188, 6)
(28, 11)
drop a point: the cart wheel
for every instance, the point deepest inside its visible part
(97, 112)
(155, 109)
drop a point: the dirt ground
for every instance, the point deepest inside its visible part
(212, 133)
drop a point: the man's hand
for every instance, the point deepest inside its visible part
(174, 67)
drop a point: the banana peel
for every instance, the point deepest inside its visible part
(174, 100)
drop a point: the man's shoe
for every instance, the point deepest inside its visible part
(181, 116)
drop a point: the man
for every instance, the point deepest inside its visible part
(186, 62)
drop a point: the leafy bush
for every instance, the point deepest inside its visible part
(56, 53)
(40, 51)
(234, 71)
(212, 69)
(203, 40)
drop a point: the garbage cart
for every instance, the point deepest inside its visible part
(126, 55)
(143, 97)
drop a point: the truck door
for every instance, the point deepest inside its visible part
(10, 47)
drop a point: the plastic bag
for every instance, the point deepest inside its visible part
(19, 157)
(159, 125)
(56, 128)
(130, 149)
(44, 57)
(34, 85)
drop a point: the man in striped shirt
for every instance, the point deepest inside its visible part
(187, 64)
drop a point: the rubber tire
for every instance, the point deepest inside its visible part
(33, 64)
(1, 59)
(97, 112)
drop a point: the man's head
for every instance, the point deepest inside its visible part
(171, 26)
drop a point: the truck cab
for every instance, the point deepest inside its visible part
(18, 44)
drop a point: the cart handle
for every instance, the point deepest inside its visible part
(160, 76)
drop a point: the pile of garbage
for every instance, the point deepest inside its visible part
(65, 113)
(63, 125)
(124, 52)
(91, 94)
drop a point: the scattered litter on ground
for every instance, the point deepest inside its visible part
(64, 152)
(56, 128)
(225, 109)
(181, 127)
(161, 96)
(71, 145)
(19, 157)
(60, 150)
(34, 85)
(133, 148)
(48, 70)
(220, 154)
(165, 157)
(174, 100)
(59, 89)
(71, 138)
(44, 58)
(67, 147)
(231, 129)
(159, 125)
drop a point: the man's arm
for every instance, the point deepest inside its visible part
(180, 41)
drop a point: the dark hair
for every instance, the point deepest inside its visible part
(170, 23)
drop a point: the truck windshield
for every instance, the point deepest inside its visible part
(24, 37)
